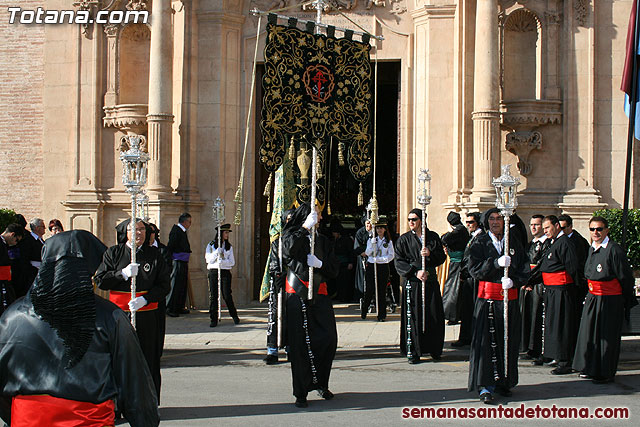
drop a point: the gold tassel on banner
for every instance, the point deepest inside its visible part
(292, 150)
(361, 196)
(238, 201)
(374, 209)
(267, 191)
(341, 154)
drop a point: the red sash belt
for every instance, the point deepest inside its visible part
(121, 299)
(610, 287)
(322, 289)
(558, 278)
(45, 410)
(5, 272)
(490, 290)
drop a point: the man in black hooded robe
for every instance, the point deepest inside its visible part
(487, 260)
(611, 295)
(415, 340)
(66, 353)
(311, 325)
(454, 241)
(152, 285)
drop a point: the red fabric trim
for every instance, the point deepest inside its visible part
(532, 266)
(494, 291)
(322, 289)
(610, 287)
(45, 410)
(5, 272)
(557, 278)
(121, 299)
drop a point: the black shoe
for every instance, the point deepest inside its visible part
(584, 376)
(452, 322)
(436, 357)
(271, 359)
(538, 362)
(562, 370)
(236, 320)
(459, 343)
(503, 391)
(380, 320)
(213, 324)
(414, 360)
(486, 398)
(183, 311)
(363, 316)
(172, 314)
(553, 363)
(602, 380)
(301, 402)
(325, 394)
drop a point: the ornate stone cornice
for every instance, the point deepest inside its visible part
(445, 11)
(530, 112)
(581, 8)
(130, 118)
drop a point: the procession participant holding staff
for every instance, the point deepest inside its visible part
(454, 242)
(152, 285)
(414, 340)
(220, 258)
(379, 254)
(611, 294)
(487, 260)
(311, 323)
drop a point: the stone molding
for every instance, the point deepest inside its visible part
(130, 118)
(446, 11)
(521, 144)
(533, 112)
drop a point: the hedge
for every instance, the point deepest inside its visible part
(614, 216)
(7, 216)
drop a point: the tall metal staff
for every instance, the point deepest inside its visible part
(424, 199)
(134, 177)
(373, 219)
(506, 201)
(218, 219)
(280, 292)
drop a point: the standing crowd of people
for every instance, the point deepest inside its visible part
(564, 299)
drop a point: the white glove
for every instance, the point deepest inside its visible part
(137, 303)
(313, 261)
(507, 283)
(504, 261)
(312, 219)
(130, 270)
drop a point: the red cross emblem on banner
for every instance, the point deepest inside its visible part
(318, 82)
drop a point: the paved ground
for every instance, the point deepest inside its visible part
(215, 376)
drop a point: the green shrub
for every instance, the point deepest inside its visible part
(7, 216)
(614, 216)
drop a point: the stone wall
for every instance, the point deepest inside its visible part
(21, 113)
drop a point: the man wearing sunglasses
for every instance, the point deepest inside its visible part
(415, 340)
(559, 269)
(611, 293)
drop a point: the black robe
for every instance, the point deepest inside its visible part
(581, 247)
(414, 342)
(598, 344)
(311, 325)
(153, 277)
(468, 294)
(343, 285)
(178, 243)
(277, 278)
(560, 302)
(7, 294)
(31, 363)
(455, 241)
(531, 307)
(359, 246)
(483, 266)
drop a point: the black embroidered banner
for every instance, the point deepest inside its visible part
(316, 89)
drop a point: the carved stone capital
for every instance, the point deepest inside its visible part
(581, 8)
(129, 118)
(111, 30)
(530, 113)
(137, 5)
(521, 144)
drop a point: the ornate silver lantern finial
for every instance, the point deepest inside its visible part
(506, 186)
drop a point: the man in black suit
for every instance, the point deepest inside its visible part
(180, 250)
(581, 246)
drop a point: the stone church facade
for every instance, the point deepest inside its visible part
(482, 83)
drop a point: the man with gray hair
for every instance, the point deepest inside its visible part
(34, 249)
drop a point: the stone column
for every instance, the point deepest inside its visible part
(486, 114)
(160, 117)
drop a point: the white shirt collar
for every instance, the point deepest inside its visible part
(182, 226)
(604, 244)
(478, 231)
(569, 235)
(540, 239)
(498, 244)
(35, 236)
(155, 244)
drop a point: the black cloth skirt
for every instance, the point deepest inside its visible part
(451, 293)
(432, 339)
(313, 339)
(560, 326)
(486, 362)
(598, 345)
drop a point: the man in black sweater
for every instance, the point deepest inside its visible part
(180, 250)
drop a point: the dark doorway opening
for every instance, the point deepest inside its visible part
(343, 189)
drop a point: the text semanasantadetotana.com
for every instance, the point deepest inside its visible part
(520, 412)
(83, 17)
